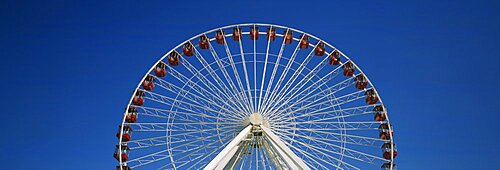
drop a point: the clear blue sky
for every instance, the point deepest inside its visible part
(68, 70)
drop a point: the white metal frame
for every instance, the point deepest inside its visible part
(241, 101)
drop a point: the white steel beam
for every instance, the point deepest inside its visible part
(220, 161)
(292, 160)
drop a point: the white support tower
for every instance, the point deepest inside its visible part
(284, 158)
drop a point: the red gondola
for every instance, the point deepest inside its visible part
(304, 42)
(387, 149)
(320, 49)
(361, 82)
(123, 167)
(126, 134)
(188, 49)
(387, 166)
(123, 155)
(204, 42)
(236, 34)
(160, 69)
(379, 113)
(371, 96)
(349, 69)
(131, 115)
(384, 131)
(271, 34)
(173, 58)
(254, 32)
(148, 83)
(335, 57)
(288, 37)
(138, 100)
(219, 37)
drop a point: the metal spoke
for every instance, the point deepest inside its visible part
(316, 100)
(237, 76)
(275, 69)
(283, 75)
(190, 96)
(228, 78)
(295, 75)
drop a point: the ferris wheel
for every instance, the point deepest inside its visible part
(255, 96)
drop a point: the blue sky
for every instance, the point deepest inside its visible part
(69, 68)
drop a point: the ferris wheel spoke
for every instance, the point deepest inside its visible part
(157, 156)
(196, 163)
(237, 76)
(341, 113)
(302, 82)
(310, 156)
(199, 76)
(190, 114)
(319, 105)
(214, 91)
(243, 97)
(331, 75)
(347, 153)
(196, 99)
(177, 150)
(222, 66)
(167, 114)
(188, 108)
(177, 104)
(322, 153)
(315, 100)
(212, 73)
(144, 160)
(177, 138)
(310, 75)
(200, 93)
(197, 151)
(194, 112)
(330, 126)
(292, 79)
(314, 93)
(283, 74)
(255, 72)
(331, 137)
(273, 74)
(326, 153)
(160, 127)
(264, 72)
(198, 156)
(221, 95)
(246, 73)
(190, 96)
(325, 105)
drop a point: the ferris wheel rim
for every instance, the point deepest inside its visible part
(260, 25)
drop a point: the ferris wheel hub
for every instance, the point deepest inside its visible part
(257, 119)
